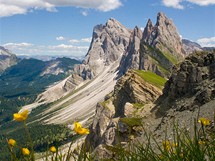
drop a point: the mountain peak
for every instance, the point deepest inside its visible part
(109, 42)
(113, 23)
(164, 35)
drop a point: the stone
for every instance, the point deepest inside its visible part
(7, 59)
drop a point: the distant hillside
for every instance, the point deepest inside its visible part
(21, 83)
(7, 59)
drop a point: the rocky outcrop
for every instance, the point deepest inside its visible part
(133, 89)
(7, 59)
(108, 127)
(108, 43)
(190, 46)
(131, 58)
(194, 77)
(188, 95)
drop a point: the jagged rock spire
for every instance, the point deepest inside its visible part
(108, 43)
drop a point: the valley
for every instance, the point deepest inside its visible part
(130, 82)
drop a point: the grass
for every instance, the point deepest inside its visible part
(137, 105)
(152, 78)
(183, 146)
(131, 121)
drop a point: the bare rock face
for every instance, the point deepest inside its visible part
(190, 46)
(109, 42)
(133, 89)
(73, 81)
(7, 59)
(107, 123)
(163, 36)
(130, 59)
(157, 49)
(194, 77)
(161, 46)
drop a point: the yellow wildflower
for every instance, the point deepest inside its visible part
(79, 130)
(204, 121)
(22, 116)
(11, 142)
(160, 156)
(25, 151)
(166, 145)
(174, 145)
(181, 155)
(53, 149)
(201, 142)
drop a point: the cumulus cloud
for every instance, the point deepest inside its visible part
(13, 7)
(17, 45)
(177, 3)
(86, 39)
(202, 2)
(83, 40)
(74, 41)
(33, 49)
(207, 42)
(60, 38)
(84, 13)
(173, 3)
(142, 28)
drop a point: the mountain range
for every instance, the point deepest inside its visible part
(126, 75)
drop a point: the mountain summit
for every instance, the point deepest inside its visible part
(163, 36)
(157, 49)
(108, 43)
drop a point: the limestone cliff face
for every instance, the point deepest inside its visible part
(108, 43)
(7, 59)
(133, 89)
(190, 46)
(131, 58)
(107, 123)
(157, 49)
(161, 46)
(189, 94)
(163, 36)
(193, 77)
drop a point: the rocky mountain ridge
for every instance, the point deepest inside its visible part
(157, 49)
(131, 95)
(189, 93)
(108, 43)
(7, 59)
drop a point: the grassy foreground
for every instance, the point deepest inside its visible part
(185, 146)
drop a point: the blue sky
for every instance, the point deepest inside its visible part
(64, 27)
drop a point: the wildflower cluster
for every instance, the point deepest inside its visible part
(28, 152)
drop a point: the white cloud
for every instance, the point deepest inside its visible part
(83, 40)
(177, 3)
(60, 38)
(13, 7)
(84, 13)
(173, 3)
(142, 28)
(17, 45)
(74, 41)
(207, 42)
(33, 49)
(86, 39)
(202, 2)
